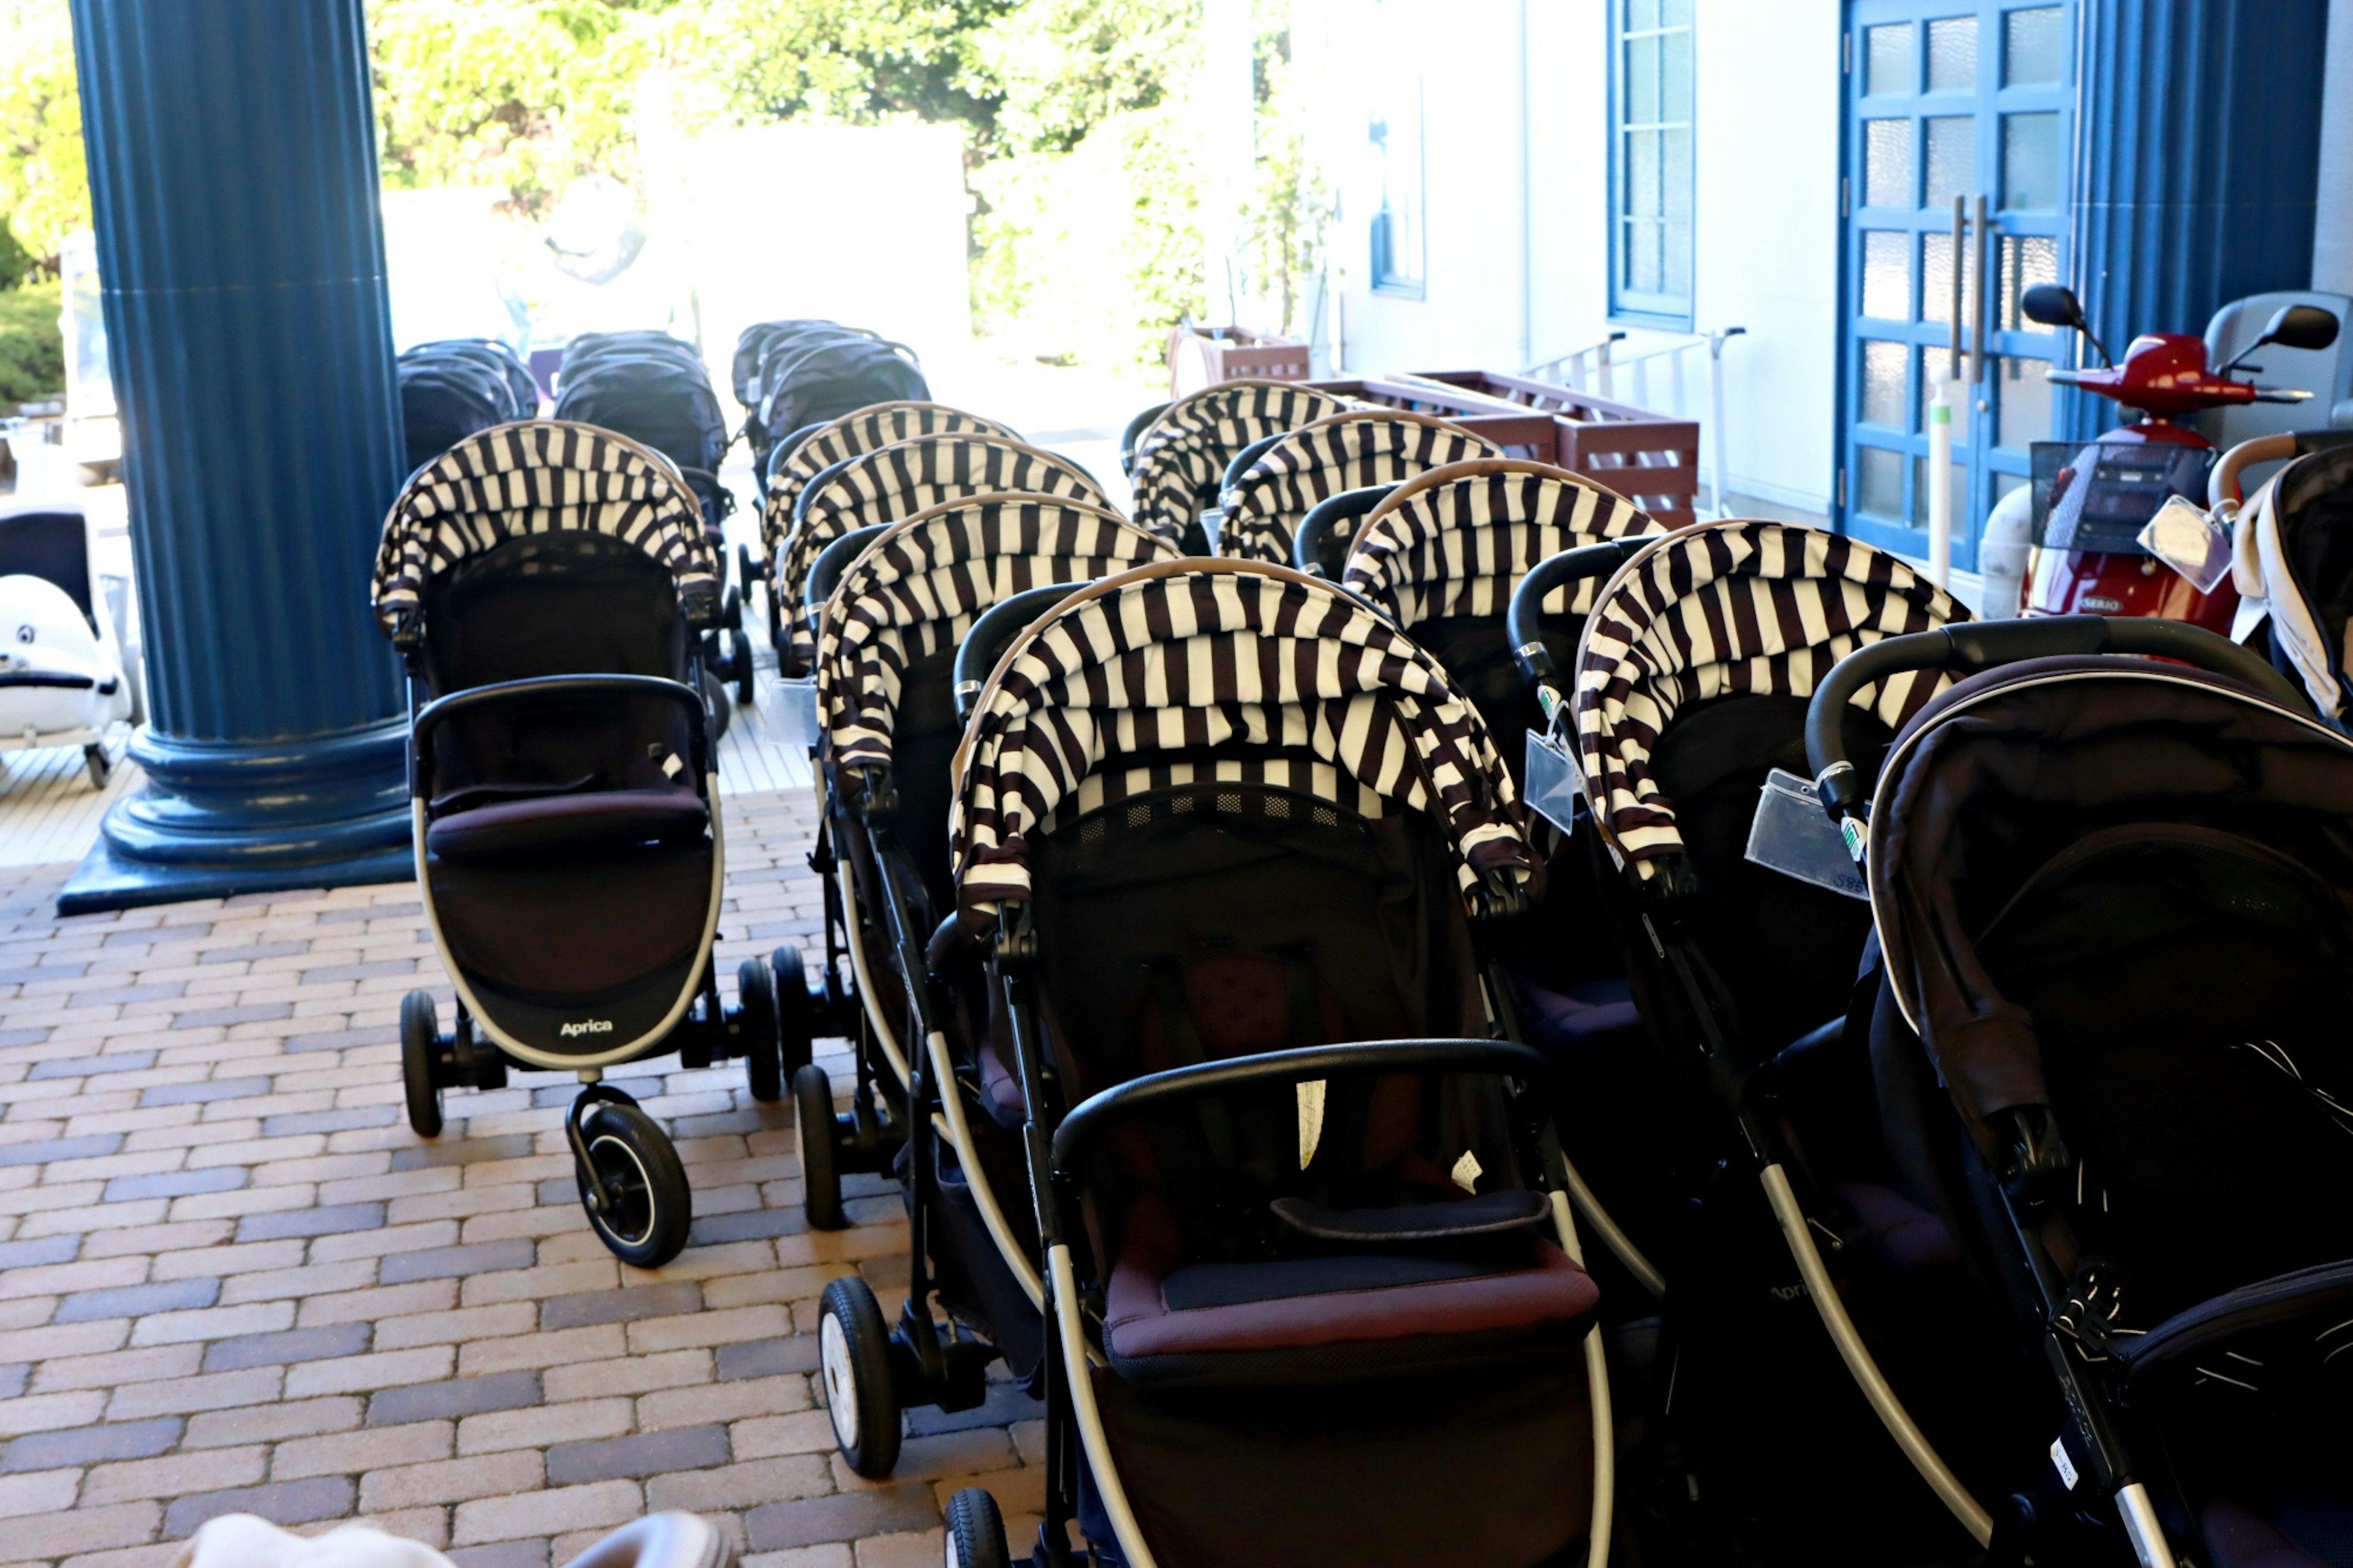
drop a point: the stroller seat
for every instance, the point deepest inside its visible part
(607, 819)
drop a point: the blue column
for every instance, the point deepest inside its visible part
(232, 169)
(2198, 149)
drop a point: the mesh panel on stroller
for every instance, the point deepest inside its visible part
(1216, 821)
(897, 482)
(1263, 507)
(1180, 459)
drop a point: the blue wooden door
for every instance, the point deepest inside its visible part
(1947, 100)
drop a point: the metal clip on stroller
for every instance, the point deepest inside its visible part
(1272, 483)
(2112, 899)
(1310, 1276)
(800, 457)
(897, 615)
(542, 582)
(1180, 459)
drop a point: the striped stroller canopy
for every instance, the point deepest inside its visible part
(1457, 540)
(1228, 671)
(1759, 608)
(1181, 457)
(539, 476)
(868, 430)
(919, 587)
(900, 481)
(1342, 452)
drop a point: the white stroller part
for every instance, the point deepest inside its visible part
(61, 677)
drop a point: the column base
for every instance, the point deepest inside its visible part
(214, 820)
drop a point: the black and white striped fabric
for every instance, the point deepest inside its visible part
(1759, 608)
(1344, 452)
(900, 481)
(868, 430)
(1182, 456)
(1225, 671)
(538, 476)
(1457, 540)
(919, 587)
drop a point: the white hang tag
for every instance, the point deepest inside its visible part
(672, 767)
(1467, 1172)
(1311, 1119)
(2062, 1463)
(1555, 781)
(2183, 537)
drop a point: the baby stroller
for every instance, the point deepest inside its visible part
(932, 1100)
(63, 679)
(801, 456)
(1272, 483)
(2290, 556)
(452, 387)
(2113, 896)
(754, 343)
(1182, 454)
(1311, 1283)
(543, 583)
(1685, 719)
(812, 377)
(897, 482)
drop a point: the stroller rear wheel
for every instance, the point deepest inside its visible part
(420, 1051)
(854, 1354)
(976, 1533)
(633, 1167)
(821, 1172)
(93, 758)
(796, 1009)
(760, 996)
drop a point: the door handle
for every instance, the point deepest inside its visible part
(1953, 316)
(1985, 288)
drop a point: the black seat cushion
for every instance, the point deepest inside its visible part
(586, 823)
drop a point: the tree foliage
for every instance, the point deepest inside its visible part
(32, 350)
(44, 193)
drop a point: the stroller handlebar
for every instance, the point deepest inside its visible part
(1307, 544)
(1981, 644)
(1248, 456)
(826, 572)
(1088, 1120)
(994, 632)
(1523, 619)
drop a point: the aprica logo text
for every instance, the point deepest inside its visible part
(587, 1027)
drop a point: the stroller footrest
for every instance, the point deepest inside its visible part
(1485, 1214)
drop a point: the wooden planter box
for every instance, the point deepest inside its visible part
(1595, 437)
(1202, 357)
(1517, 430)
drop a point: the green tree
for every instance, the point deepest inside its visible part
(44, 193)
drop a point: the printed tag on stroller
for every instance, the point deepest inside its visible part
(1792, 835)
(2062, 1463)
(799, 704)
(2183, 537)
(1555, 781)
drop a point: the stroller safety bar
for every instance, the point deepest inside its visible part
(1308, 547)
(994, 632)
(1980, 645)
(1523, 619)
(557, 688)
(1247, 458)
(1088, 1120)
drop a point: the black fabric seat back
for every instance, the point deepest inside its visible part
(1478, 654)
(51, 543)
(653, 398)
(831, 376)
(445, 398)
(2316, 509)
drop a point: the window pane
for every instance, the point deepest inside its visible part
(1641, 194)
(1882, 384)
(1674, 13)
(1936, 280)
(1879, 482)
(1675, 173)
(1887, 59)
(1642, 82)
(2022, 409)
(2026, 260)
(1887, 276)
(1953, 158)
(1887, 164)
(1676, 242)
(1675, 77)
(1642, 13)
(1956, 481)
(2033, 49)
(1953, 54)
(2030, 162)
(1642, 269)
(1957, 398)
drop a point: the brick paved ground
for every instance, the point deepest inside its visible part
(232, 1279)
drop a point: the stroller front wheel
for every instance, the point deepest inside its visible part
(821, 1172)
(632, 1164)
(764, 1061)
(420, 1046)
(93, 758)
(976, 1532)
(854, 1355)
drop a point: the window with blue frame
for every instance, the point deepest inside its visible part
(1399, 250)
(1651, 161)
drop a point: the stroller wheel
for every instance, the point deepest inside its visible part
(763, 1062)
(975, 1535)
(715, 699)
(748, 569)
(796, 1008)
(820, 1175)
(647, 1205)
(420, 1046)
(93, 758)
(854, 1354)
(745, 671)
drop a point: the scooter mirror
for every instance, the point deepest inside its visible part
(2052, 305)
(2302, 327)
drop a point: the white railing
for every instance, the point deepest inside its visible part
(1596, 367)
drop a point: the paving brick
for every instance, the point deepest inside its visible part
(458, 1396)
(92, 1444)
(138, 1300)
(539, 1426)
(543, 1513)
(175, 1183)
(174, 1475)
(745, 1225)
(451, 1480)
(627, 1375)
(254, 1013)
(46, 1150)
(348, 1119)
(272, 1423)
(455, 1262)
(739, 1485)
(83, 1529)
(330, 1221)
(203, 1091)
(359, 1374)
(844, 1516)
(35, 1492)
(502, 1554)
(186, 1396)
(213, 1324)
(627, 1305)
(766, 1357)
(292, 1345)
(49, 1412)
(92, 1067)
(282, 1502)
(371, 1448)
(380, 1305)
(765, 1436)
(58, 1248)
(464, 1152)
(723, 1402)
(648, 1454)
(565, 1347)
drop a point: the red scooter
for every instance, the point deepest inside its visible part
(2091, 501)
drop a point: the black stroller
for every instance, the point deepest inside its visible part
(815, 372)
(2113, 897)
(932, 1100)
(799, 458)
(1272, 483)
(897, 482)
(1682, 727)
(2291, 555)
(451, 388)
(1181, 457)
(1313, 1288)
(543, 582)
